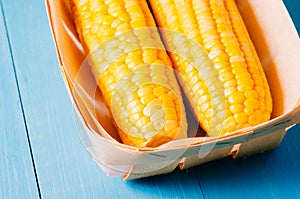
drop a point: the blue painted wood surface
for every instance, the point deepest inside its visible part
(274, 174)
(17, 178)
(64, 168)
(293, 7)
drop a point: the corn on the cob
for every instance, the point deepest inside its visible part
(132, 70)
(217, 26)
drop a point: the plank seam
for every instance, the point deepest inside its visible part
(20, 98)
(199, 183)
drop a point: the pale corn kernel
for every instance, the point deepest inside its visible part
(137, 108)
(160, 78)
(145, 99)
(142, 122)
(148, 134)
(147, 110)
(193, 80)
(135, 117)
(211, 81)
(130, 98)
(144, 91)
(214, 53)
(107, 79)
(188, 68)
(203, 98)
(197, 87)
(154, 102)
(159, 124)
(229, 91)
(140, 78)
(148, 128)
(209, 113)
(157, 115)
(204, 106)
(85, 15)
(212, 44)
(205, 123)
(221, 115)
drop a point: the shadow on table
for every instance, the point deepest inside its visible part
(273, 173)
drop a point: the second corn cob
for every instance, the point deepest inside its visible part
(217, 26)
(132, 69)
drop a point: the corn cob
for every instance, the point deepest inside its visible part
(132, 69)
(218, 28)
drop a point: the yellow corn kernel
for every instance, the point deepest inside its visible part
(132, 69)
(218, 28)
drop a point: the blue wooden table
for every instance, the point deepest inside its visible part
(41, 155)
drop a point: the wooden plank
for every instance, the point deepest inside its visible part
(17, 179)
(64, 168)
